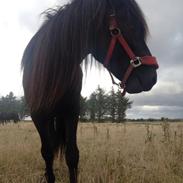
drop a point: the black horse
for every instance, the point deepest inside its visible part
(52, 77)
(6, 117)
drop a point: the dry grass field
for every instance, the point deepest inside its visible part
(109, 153)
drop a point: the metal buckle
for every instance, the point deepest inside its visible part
(136, 62)
(115, 31)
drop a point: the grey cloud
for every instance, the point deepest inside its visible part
(163, 111)
(158, 100)
(166, 42)
(28, 21)
(166, 27)
(31, 18)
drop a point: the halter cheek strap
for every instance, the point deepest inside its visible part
(134, 60)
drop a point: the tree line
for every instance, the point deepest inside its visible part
(102, 106)
(99, 106)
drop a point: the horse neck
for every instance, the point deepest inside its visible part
(85, 44)
(78, 33)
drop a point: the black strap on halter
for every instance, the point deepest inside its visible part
(112, 9)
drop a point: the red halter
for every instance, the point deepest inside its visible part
(134, 60)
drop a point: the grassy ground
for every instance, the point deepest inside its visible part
(109, 153)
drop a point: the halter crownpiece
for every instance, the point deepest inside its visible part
(135, 61)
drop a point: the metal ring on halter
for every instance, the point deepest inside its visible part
(123, 90)
(136, 62)
(122, 85)
(115, 32)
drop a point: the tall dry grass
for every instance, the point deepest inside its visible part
(109, 153)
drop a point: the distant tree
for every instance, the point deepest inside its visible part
(101, 106)
(23, 108)
(123, 103)
(8, 103)
(101, 103)
(92, 109)
(164, 119)
(111, 105)
(83, 108)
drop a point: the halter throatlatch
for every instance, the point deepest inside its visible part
(135, 61)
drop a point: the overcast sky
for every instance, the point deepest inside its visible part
(20, 19)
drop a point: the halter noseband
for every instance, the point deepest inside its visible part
(135, 61)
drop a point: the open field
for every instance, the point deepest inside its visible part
(109, 153)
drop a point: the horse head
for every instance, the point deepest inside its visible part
(120, 45)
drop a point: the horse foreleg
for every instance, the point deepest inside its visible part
(47, 148)
(48, 156)
(72, 152)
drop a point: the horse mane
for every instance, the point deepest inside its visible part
(51, 60)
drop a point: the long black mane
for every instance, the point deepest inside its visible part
(52, 57)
